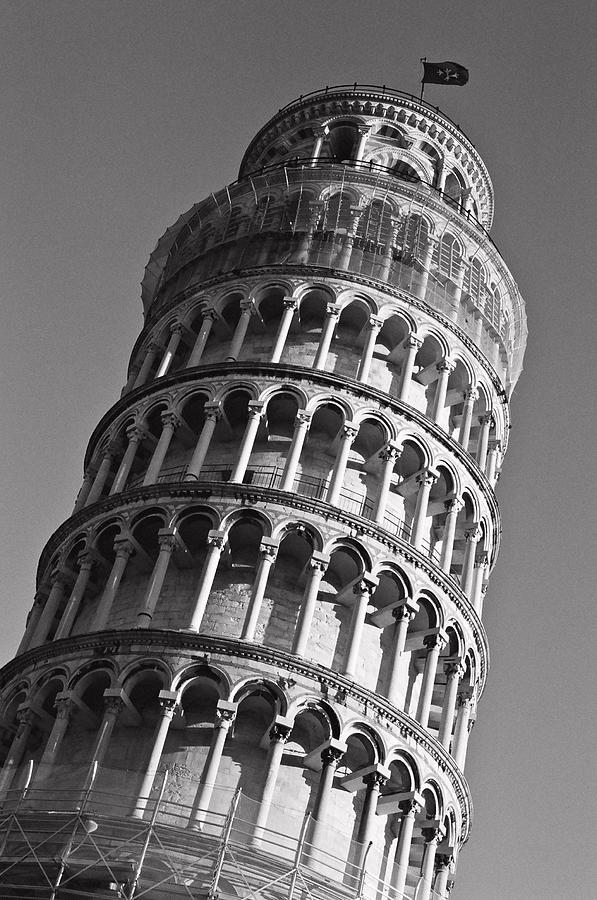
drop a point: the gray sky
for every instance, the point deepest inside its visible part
(118, 116)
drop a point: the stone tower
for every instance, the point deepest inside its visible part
(256, 648)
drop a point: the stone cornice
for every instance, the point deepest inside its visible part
(248, 493)
(376, 707)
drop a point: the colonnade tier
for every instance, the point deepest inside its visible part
(269, 575)
(421, 369)
(366, 123)
(279, 720)
(356, 330)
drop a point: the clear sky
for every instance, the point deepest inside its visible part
(118, 116)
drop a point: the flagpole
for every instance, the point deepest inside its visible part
(423, 60)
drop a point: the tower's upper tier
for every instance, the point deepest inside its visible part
(364, 181)
(387, 130)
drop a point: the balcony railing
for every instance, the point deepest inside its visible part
(312, 487)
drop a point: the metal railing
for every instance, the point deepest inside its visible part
(88, 834)
(312, 487)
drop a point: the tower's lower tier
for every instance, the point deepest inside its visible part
(180, 765)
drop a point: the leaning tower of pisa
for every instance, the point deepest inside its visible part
(256, 649)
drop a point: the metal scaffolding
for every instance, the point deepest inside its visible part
(86, 842)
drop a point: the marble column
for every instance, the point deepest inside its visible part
(267, 551)
(434, 643)
(362, 590)
(301, 428)
(487, 422)
(58, 580)
(26, 719)
(327, 333)
(374, 327)
(373, 783)
(64, 709)
(226, 713)
(101, 476)
(388, 456)
(167, 543)
(403, 616)
(86, 563)
(425, 479)
(215, 545)
(135, 436)
(212, 414)
(454, 671)
(256, 411)
(432, 838)
(170, 423)
(176, 333)
(413, 344)
(278, 735)
(209, 317)
(318, 565)
(124, 548)
(290, 308)
(444, 367)
(472, 536)
(471, 395)
(347, 435)
(113, 706)
(151, 353)
(167, 701)
(330, 757)
(409, 809)
(240, 332)
(453, 507)
(464, 705)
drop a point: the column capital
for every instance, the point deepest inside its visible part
(58, 577)
(290, 303)
(375, 322)
(366, 584)
(86, 560)
(268, 548)
(136, 433)
(495, 445)
(438, 639)
(177, 328)
(170, 418)
(209, 313)
(350, 431)
(166, 539)
(319, 561)
(216, 538)
(247, 305)
(482, 561)
(64, 705)
(123, 546)
(473, 534)
(413, 341)
(212, 410)
(434, 832)
(168, 701)
(445, 365)
(303, 419)
(226, 713)
(470, 395)
(364, 129)
(412, 804)
(406, 610)
(427, 477)
(488, 418)
(391, 451)
(256, 409)
(333, 310)
(331, 755)
(454, 505)
(280, 730)
(25, 716)
(454, 667)
(113, 701)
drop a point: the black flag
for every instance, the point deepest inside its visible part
(444, 73)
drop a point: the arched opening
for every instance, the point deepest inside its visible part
(349, 339)
(319, 451)
(341, 142)
(425, 375)
(389, 355)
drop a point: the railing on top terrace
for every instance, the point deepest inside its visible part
(86, 832)
(357, 88)
(304, 486)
